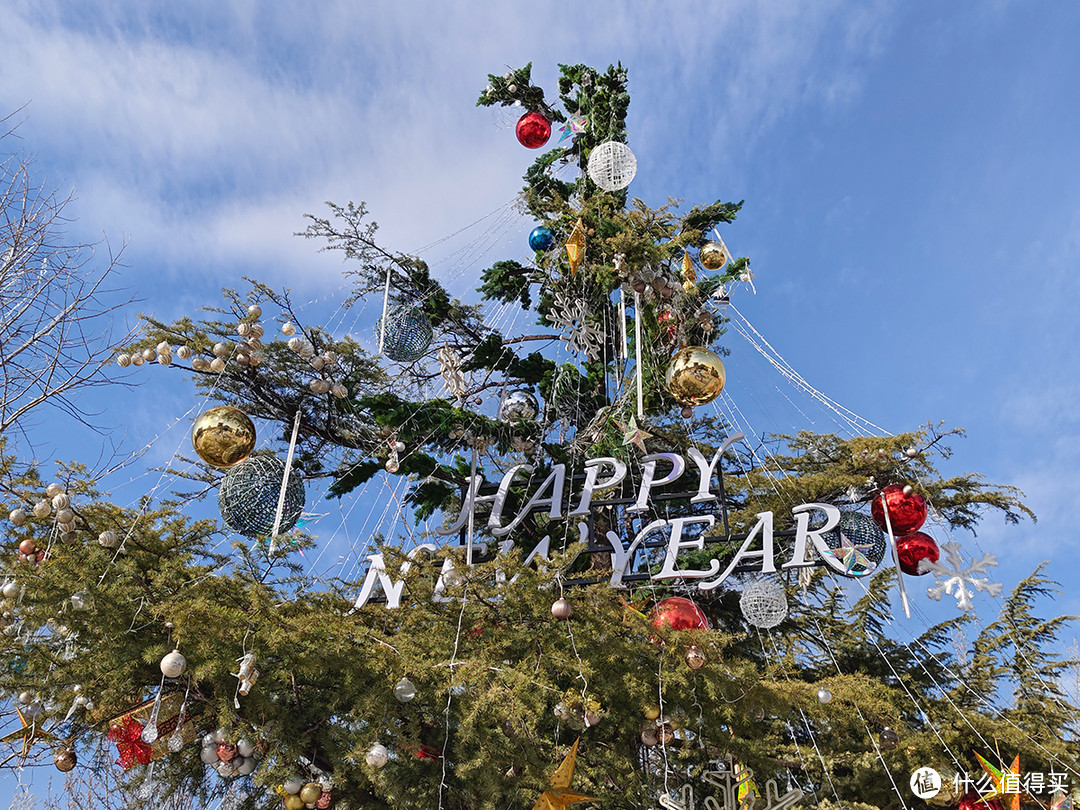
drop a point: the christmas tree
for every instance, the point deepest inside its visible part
(597, 599)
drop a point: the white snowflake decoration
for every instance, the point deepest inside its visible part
(955, 576)
(580, 335)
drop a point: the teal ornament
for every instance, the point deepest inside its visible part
(858, 543)
(542, 238)
(249, 492)
(408, 333)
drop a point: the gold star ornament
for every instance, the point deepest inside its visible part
(558, 795)
(30, 733)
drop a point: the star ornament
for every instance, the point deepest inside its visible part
(575, 125)
(1006, 783)
(854, 555)
(558, 795)
(29, 733)
(634, 435)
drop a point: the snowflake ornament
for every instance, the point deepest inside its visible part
(579, 334)
(955, 576)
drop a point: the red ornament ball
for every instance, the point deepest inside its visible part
(906, 512)
(971, 801)
(679, 613)
(911, 548)
(533, 130)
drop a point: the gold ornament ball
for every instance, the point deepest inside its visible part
(712, 256)
(293, 802)
(695, 376)
(652, 712)
(223, 436)
(65, 760)
(561, 609)
(311, 792)
(695, 658)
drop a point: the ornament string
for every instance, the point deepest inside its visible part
(385, 304)
(637, 350)
(896, 557)
(285, 482)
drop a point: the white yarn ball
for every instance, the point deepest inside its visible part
(217, 364)
(764, 604)
(54, 489)
(123, 360)
(377, 756)
(108, 538)
(612, 166)
(183, 352)
(288, 329)
(42, 509)
(61, 501)
(255, 311)
(137, 360)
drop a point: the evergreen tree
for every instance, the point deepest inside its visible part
(502, 687)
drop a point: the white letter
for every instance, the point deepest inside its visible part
(704, 492)
(377, 575)
(469, 504)
(803, 533)
(678, 466)
(676, 544)
(592, 472)
(500, 497)
(765, 526)
(553, 501)
(621, 558)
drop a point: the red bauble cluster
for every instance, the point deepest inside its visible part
(913, 548)
(533, 130)
(679, 613)
(907, 511)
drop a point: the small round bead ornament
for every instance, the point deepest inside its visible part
(224, 756)
(695, 657)
(223, 436)
(858, 543)
(713, 256)
(108, 538)
(914, 548)
(542, 238)
(65, 760)
(249, 492)
(824, 695)
(172, 664)
(764, 604)
(519, 406)
(408, 334)
(679, 613)
(561, 609)
(612, 166)
(404, 690)
(533, 130)
(695, 376)
(907, 509)
(888, 739)
(81, 600)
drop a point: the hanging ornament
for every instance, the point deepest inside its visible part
(571, 316)
(952, 575)
(450, 368)
(858, 543)
(311, 792)
(17, 516)
(679, 613)
(519, 406)
(575, 125)
(561, 609)
(888, 739)
(108, 539)
(533, 130)
(695, 376)
(249, 492)
(695, 657)
(172, 664)
(764, 604)
(575, 246)
(65, 759)
(542, 238)
(408, 333)
(632, 434)
(612, 166)
(824, 695)
(404, 690)
(907, 510)
(223, 436)
(914, 548)
(377, 756)
(713, 255)
(689, 274)
(81, 600)
(559, 796)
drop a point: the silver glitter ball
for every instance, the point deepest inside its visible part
(519, 406)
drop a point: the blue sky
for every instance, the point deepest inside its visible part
(909, 170)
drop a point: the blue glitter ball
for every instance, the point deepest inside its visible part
(249, 492)
(542, 238)
(408, 334)
(858, 543)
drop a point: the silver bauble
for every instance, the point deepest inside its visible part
(764, 604)
(519, 406)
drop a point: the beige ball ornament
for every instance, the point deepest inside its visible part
(310, 792)
(293, 802)
(695, 376)
(172, 665)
